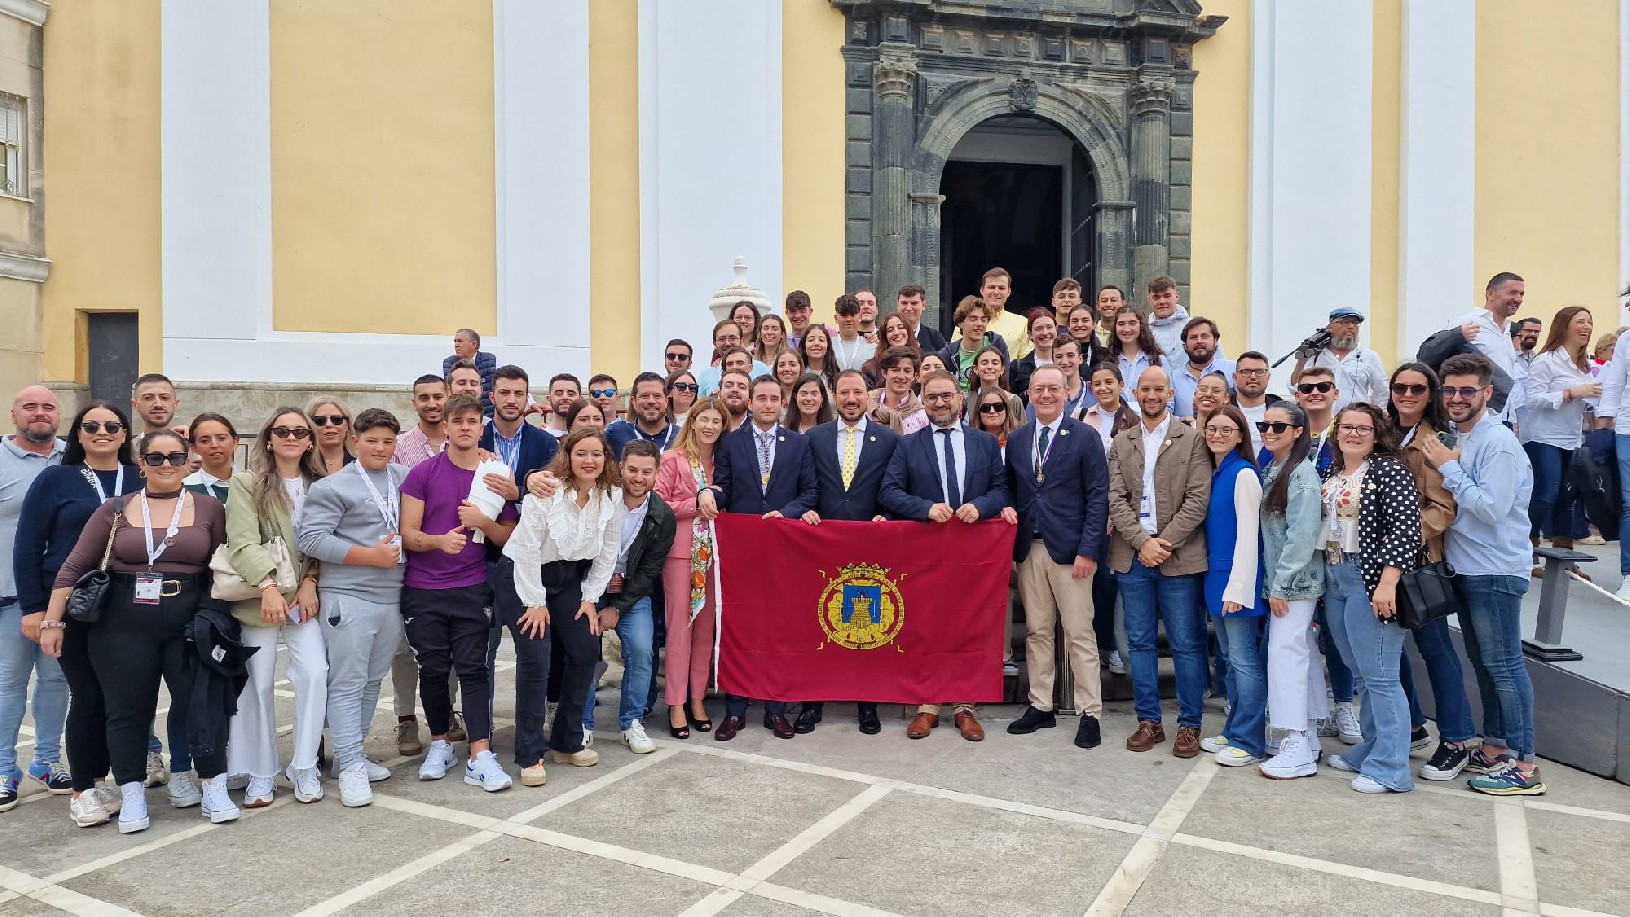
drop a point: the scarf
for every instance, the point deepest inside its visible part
(701, 548)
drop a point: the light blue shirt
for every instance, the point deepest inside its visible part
(1491, 483)
(1131, 371)
(1184, 385)
(707, 382)
(18, 469)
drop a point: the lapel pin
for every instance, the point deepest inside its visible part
(1064, 433)
(780, 439)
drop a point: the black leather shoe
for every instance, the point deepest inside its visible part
(1031, 720)
(780, 726)
(728, 727)
(807, 718)
(1087, 734)
(869, 724)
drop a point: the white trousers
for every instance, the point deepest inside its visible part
(253, 744)
(1296, 695)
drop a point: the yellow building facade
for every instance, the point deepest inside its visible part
(302, 195)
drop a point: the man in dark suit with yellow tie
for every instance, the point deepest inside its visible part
(850, 454)
(765, 469)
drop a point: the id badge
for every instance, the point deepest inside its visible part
(401, 555)
(1144, 506)
(149, 589)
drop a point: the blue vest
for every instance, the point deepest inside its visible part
(1222, 530)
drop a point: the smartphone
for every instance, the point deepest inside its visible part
(1448, 439)
(294, 614)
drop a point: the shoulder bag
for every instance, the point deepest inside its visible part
(90, 593)
(1427, 593)
(228, 586)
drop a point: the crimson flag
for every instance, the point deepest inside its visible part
(896, 612)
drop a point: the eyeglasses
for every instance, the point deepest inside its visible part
(1273, 426)
(1221, 431)
(686, 387)
(1464, 393)
(1353, 429)
(992, 407)
(602, 393)
(676, 357)
(1250, 372)
(292, 432)
(155, 459)
(1308, 388)
(939, 397)
(323, 420)
(1399, 388)
(97, 426)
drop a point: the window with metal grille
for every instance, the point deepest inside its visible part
(13, 166)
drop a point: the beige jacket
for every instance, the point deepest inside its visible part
(1182, 493)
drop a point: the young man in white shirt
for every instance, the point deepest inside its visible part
(849, 349)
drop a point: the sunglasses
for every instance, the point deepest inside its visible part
(676, 357)
(1274, 426)
(1399, 388)
(686, 387)
(1464, 393)
(155, 459)
(97, 426)
(1308, 388)
(292, 432)
(323, 420)
(993, 408)
(602, 393)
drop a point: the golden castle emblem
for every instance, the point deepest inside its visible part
(861, 608)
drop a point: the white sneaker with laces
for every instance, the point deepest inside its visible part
(237, 781)
(1624, 590)
(1234, 756)
(437, 760)
(1214, 744)
(1294, 759)
(1347, 725)
(157, 773)
(308, 784)
(258, 793)
(109, 796)
(1365, 784)
(376, 772)
(1116, 663)
(86, 810)
(485, 772)
(133, 807)
(1340, 764)
(184, 790)
(216, 805)
(637, 741)
(354, 789)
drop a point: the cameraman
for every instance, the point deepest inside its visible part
(1359, 373)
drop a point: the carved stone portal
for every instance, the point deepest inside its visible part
(1114, 75)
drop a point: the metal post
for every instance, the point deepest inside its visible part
(1553, 604)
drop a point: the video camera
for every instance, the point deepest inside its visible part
(1310, 346)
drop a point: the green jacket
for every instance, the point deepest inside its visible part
(246, 534)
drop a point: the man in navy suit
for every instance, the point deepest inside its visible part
(946, 471)
(1060, 483)
(765, 469)
(851, 454)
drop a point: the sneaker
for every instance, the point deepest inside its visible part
(237, 782)
(1419, 739)
(1347, 725)
(354, 789)
(588, 738)
(87, 811)
(9, 797)
(1327, 728)
(109, 796)
(534, 774)
(1508, 781)
(455, 728)
(1480, 763)
(1340, 764)
(184, 790)
(376, 772)
(1234, 756)
(586, 757)
(637, 741)
(308, 784)
(133, 810)
(1446, 764)
(53, 776)
(1010, 669)
(485, 772)
(1213, 744)
(437, 760)
(1368, 785)
(157, 773)
(216, 805)
(1624, 590)
(408, 741)
(1114, 663)
(258, 793)
(1271, 742)
(1295, 758)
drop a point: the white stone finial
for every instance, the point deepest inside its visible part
(736, 292)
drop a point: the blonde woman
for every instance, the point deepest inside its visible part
(331, 433)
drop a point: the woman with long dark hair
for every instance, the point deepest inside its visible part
(682, 388)
(991, 410)
(810, 404)
(891, 332)
(816, 351)
(1133, 346)
(1551, 426)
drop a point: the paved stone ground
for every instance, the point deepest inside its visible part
(841, 823)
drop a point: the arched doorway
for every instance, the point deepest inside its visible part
(1018, 193)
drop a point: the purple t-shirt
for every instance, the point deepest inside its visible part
(442, 486)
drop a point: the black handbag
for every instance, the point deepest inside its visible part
(1427, 593)
(90, 593)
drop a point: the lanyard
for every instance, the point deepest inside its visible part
(94, 481)
(1038, 458)
(387, 508)
(169, 533)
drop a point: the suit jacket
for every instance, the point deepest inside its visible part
(860, 502)
(912, 485)
(1182, 496)
(736, 479)
(1070, 508)
(929, 340)
(538, 449)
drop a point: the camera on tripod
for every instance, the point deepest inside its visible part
(1310, 346)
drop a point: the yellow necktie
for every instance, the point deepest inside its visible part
(848, 469)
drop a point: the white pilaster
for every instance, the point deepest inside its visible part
(1624, 142)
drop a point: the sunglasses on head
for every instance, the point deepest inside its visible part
(1273, 426)
(97, 426)
(155, 459)
(676, 357)
(602, 392)
(992, 407)
(1308, 388)
(323, 420)
(686, 386)
(292, 432)
(1399, 388)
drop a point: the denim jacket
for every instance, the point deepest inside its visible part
(1290, 553)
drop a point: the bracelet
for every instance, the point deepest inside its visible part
(267, 584)
(47, 625)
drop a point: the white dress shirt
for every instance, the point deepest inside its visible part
(843, 438)
(1152, 441)
(1359, 376)
(1546, 417)
(959, 449)
(1613, 378)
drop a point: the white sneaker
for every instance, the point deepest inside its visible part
(86, 810)
(1295, 759)
(437, 760)
(354, 789)
(157, 773)
(637, 741)
(376, 772)
(1365, 784)
(1347, 725)
(237, 781)
(133, 808)
(258, 793)
(308, 784)
(184, 790)
(1340, 764)
(110, 797)
(1115, 663)
(217, 806)
(1234, 756)
(485, 772)
(1213, 744)
(1624, 590)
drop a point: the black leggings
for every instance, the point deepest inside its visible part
(87, 732)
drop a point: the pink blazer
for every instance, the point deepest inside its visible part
(677, 488)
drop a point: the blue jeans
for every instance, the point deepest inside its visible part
(1341, 677)
(1247, 680)
(1623, 447)
(1553, 508)
(636, 629)
(1373, 649)
(1491, 625)
(1149, 599)
(21, 657)
(1454, 711)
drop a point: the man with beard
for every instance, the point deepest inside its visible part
(648, 417)
(1358, 371)
(734, 386)
(563, 390)
(1525, 338)
(153, 404)
(726, 337)
(427, 438)
(1251, 375)
(1201, 341)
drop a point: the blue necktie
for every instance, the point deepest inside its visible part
(953, 493)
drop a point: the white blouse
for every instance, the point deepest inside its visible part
(557, 529)
(1543, 416)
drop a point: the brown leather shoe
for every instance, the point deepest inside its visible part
(969, 727)
(921, 724)
(1148, 736)
(1188, 742)
(728, 728)
(780, 725)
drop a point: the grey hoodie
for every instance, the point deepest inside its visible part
(340, 513)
